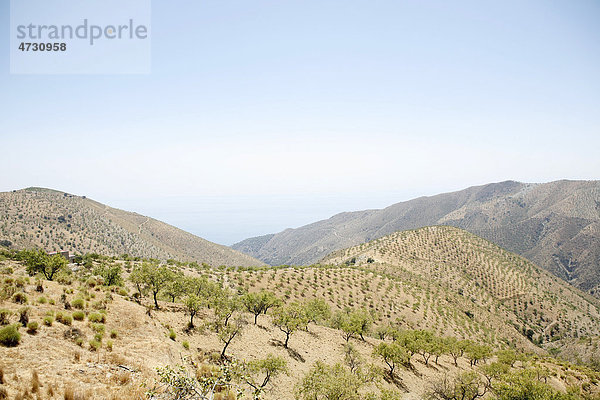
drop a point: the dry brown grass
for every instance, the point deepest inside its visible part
(71, 393)
(35, 382)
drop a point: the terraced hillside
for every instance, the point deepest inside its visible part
(451, 269)
(556, 225)
(54, 220)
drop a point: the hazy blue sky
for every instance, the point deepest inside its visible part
(262, 115)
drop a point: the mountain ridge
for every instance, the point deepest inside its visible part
(556, 225)
(55, 220)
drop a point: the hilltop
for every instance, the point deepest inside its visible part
(556, 225)
(54, 220)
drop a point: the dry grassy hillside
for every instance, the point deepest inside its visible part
(50, 362)
(449, 269)
(556, 225)
(55, 220)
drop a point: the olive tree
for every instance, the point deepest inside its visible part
(267, 368)
(230, 331)
(289, 319)
(39, 262)
(393, 354)
(259, 303)
(193, 305)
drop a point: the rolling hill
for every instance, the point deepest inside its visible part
(556, 225)
(53, 220)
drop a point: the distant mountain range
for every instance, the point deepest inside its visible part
(54, 220)
(556, 225)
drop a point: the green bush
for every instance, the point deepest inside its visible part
(109, 345)
(113, 334)
(78, 315)
(42, 300)
(172, 334)
(94, 345)
(10, 336)
(32, 327)
(97, 317)
(99, 328)
(48, 320)
(186, 344)
(78, 304)
(98, 337)
(64, 318)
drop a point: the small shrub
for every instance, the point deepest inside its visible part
(186, 344)
(20, 298)
(123, 292)
(172, 334)
(24, 316)
(5, 316)
(48, 320)
(109, 345)
(98, 328)
(51, 302)
(97, 317)
(94, 345)
(79, 341)
(10, 336)
(32, 327)
(78, 315)
(78, 304)
(113, 334)
(64, 318)
(98, 337)
(42, 300)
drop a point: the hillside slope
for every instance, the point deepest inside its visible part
(452, 268)
(555, 225)
(442, 279)
(54, 220)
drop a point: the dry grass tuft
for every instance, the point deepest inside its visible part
(35, 382)
(72, 394)
(122, 378)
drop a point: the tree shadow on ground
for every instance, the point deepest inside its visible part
(292, 353)
(429, 365)
(394, 380)
(412, 369)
